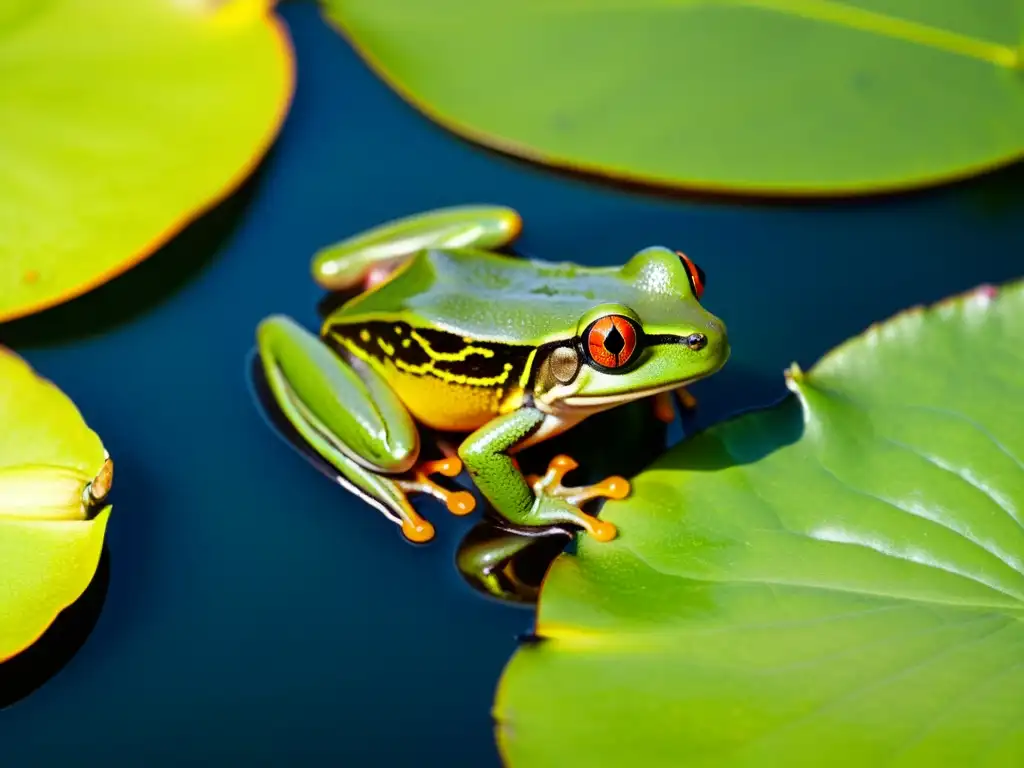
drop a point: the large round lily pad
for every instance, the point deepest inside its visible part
(756, 96)
(837, 580)
(121, 122)
(50, 542)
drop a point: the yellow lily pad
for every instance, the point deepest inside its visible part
(54, 474)
(122, 121)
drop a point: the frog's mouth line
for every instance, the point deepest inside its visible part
(596, 401)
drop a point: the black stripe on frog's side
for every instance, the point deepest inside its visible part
(664, 338)
(649, 340)
(435, 353)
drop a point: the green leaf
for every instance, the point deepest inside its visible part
(836, 580)
(755, 96)
(122, 121)
(50, 542)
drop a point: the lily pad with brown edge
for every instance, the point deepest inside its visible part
(835, 580)
(122, 121)
(54, 478)
(765, 97)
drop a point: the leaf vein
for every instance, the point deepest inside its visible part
(860, 590)
(838, 537)
(968, 480)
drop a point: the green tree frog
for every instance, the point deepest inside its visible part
(448, 332)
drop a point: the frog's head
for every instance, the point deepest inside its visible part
(658, 338)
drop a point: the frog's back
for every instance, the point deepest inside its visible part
(486, 296)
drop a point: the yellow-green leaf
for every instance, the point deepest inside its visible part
(837, 580)
(121, 121)
(755, 96)
(51, 464)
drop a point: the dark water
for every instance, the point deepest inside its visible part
(254, 611)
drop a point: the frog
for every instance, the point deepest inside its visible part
(449, 331)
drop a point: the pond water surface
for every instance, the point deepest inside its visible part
(255, 611)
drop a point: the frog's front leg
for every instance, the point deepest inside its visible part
(356, 422)
(487, 456)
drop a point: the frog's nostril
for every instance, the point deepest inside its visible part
(696, 341)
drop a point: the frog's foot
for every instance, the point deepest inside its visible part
(664, 403)
(414, 527)
(458, 502)
(550, 484)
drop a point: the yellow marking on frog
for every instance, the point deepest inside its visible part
(389, 350)
(524, 379)
(512, 401)
(440, 406)
(406, 343)
(428, 369)
(451, 357)
(364, 335)
(437, 398)
(398, 330)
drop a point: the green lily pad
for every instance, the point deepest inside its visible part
(799, 97)
(122, 122)
(836, 580)
(50, 542)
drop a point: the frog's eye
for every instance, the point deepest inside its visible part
(610, 341)
(695, 273)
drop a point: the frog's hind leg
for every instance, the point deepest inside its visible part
(368, 258)
(354, 422)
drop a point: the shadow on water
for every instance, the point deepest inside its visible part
(999, 193)
(142, 287)
(30, 669)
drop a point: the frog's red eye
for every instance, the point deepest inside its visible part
(611, 341)
(695, 273)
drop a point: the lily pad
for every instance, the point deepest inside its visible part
(836, 580)
(122, 122)
(774, 97)
(54, 476)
